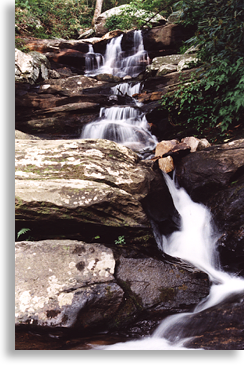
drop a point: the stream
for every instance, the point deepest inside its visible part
(195, 241)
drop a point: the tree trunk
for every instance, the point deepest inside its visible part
(98, 10)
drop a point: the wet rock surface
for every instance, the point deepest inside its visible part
(214, 177)
(223, 329)
(160, 287)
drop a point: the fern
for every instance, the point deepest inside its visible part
(22, 231)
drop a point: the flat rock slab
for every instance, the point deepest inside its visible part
(55, 280)
(64, 183)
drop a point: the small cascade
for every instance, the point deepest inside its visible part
(93, 60)
(115, 60)
(124, 125)
(126, 88)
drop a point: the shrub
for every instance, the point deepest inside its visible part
(215, 98)
(56, 18)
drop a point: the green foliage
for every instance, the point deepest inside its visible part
(56, 18)
(214, 98)
(138, 13)
(121, 22)
(120, 240)
(22, 231)
(220, 27)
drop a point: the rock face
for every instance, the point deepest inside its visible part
(31, 67)
(79, 182)
(214, 177)
(167, 64)
(223, 329)
(58, 107)
(164, 40)
(57, 280)
(206, 172)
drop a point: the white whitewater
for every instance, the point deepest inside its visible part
(126, 88)
(124, 125)
(194, 243)
(116, 61)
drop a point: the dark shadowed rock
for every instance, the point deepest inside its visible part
(227, 207)
(217, 328)
(159, 287)
(204, 173)
(164, 40)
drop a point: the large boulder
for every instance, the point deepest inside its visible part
(227, 207)
(205, 172)
(31, 67)
(159, 287)
(216, 328)
(73, 285)
(167, 64)
(65, 284)
(85, 188)
(164, 40)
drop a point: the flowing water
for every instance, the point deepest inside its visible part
(126, 125)
(195, 241)
(116, 61)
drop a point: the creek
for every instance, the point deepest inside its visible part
(194, 242)
(122, 124)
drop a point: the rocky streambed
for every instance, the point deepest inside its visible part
(89, 262)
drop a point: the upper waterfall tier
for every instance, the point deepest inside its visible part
(115, 61)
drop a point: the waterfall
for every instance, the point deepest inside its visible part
(93, 61)
(124, 125)
(194, 243)
(126, 88)
(115, 61)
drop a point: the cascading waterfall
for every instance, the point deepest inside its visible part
(194, 243)
(125, 125)
(115, 61)
(126, 88)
